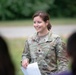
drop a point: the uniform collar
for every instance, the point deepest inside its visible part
(48, 37)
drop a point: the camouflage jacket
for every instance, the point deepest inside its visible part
(47, 52)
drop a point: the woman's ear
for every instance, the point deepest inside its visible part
(47, 22)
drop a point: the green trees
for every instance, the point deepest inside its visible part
(64, 8)
(4, 12)
(22, 9)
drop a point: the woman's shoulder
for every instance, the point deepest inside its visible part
(32, 37)
(55, 35)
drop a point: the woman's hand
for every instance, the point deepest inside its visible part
(25, 63)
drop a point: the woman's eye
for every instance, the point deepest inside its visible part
(39, 21)
(34, 22)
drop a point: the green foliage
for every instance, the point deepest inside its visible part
(64, 8)
(17, 9)
(4, 12)
(22, 9)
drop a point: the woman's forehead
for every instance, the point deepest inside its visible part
(37, 18)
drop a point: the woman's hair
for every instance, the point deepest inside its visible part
(71, 49)
(44, 16)
(6, 64)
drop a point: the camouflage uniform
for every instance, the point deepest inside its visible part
(47, 52)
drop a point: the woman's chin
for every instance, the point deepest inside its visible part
(38, 31)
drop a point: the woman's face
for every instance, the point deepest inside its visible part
(39, 24)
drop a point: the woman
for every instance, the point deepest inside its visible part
(44, 47)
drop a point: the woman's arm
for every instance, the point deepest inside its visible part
(26, 55)
(61, 57)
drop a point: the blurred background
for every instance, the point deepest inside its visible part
(23, 9)
(16, 22)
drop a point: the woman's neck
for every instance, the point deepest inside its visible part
(43, 33)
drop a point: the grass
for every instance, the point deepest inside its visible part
(55, 21)
(16, 23)
(16, 47)
(63, 21)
